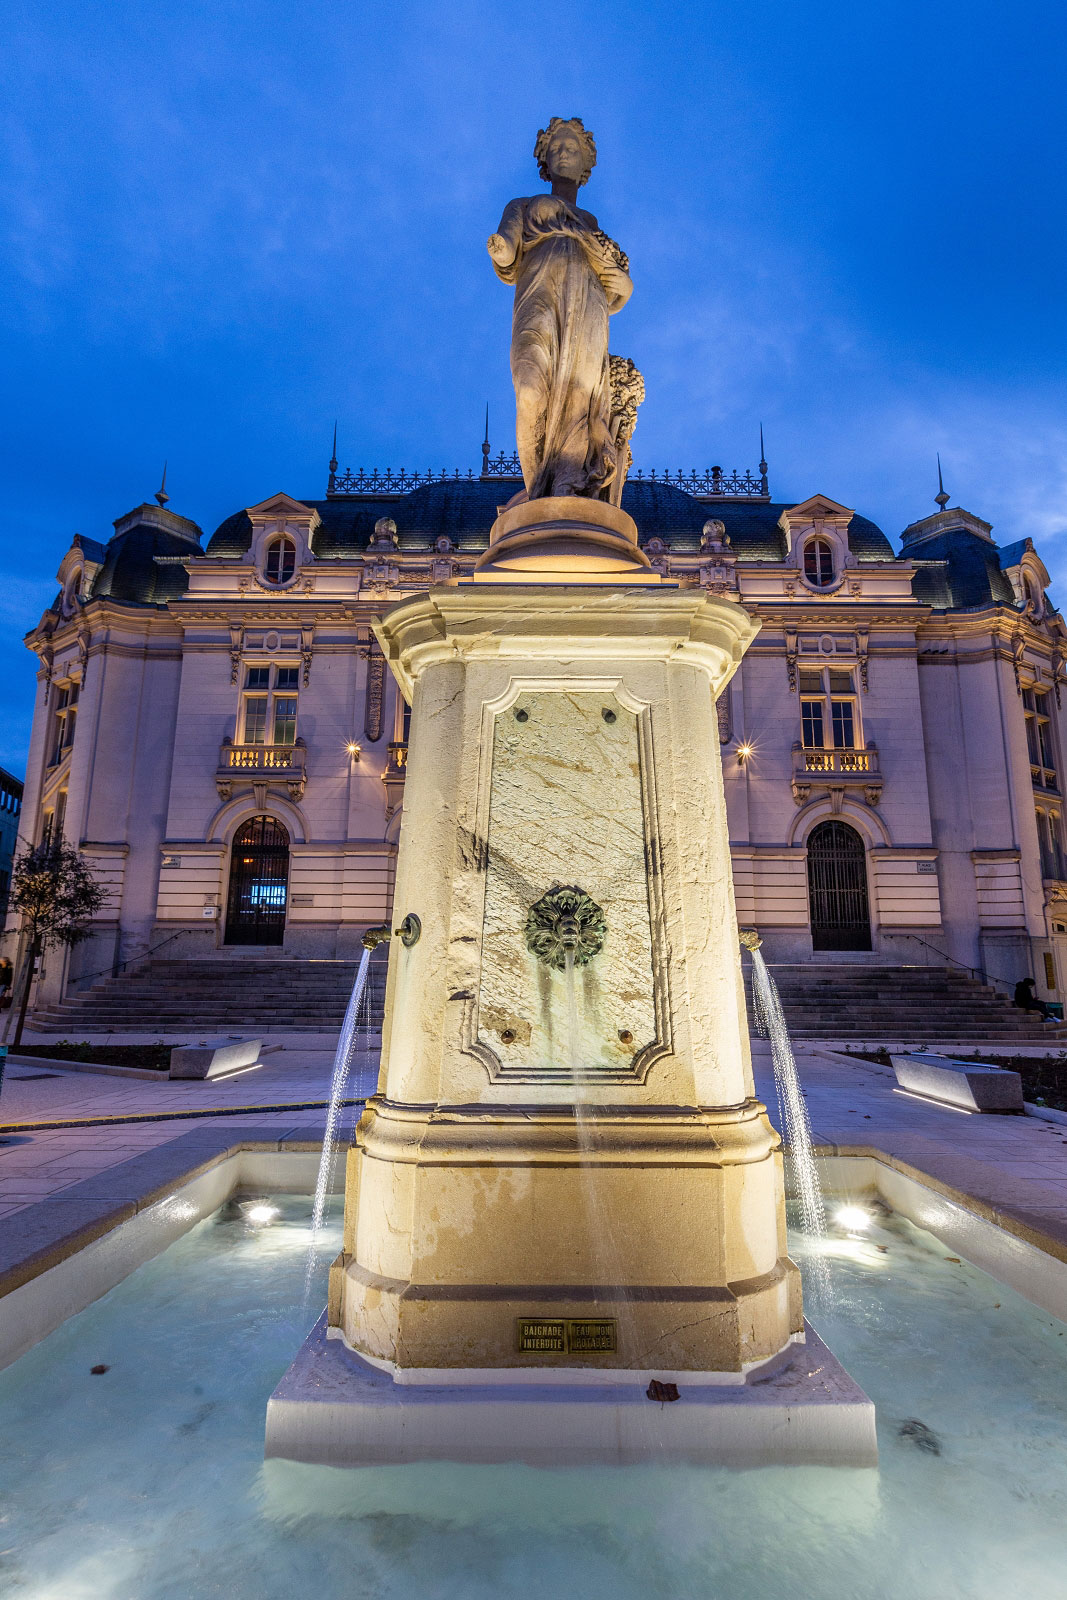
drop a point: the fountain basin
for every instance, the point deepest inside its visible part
(336, 1409)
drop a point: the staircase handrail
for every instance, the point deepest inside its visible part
(987, 977)
(113, 971)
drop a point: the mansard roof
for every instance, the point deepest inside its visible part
(130, 571)
(961, 571)
(464, 509)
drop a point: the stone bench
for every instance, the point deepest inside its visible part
(214, 1058)
(968, 1085)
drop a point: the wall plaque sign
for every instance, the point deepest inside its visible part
(550, 1336)
(541, 1336)
(590, 1338)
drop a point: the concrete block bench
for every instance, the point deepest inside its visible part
(214, 1058)
(969, 1085)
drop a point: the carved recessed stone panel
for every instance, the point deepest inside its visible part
(567, 842)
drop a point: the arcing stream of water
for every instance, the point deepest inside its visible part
(342, 1066)
(770, 1021)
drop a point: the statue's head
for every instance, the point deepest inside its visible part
(565, 149)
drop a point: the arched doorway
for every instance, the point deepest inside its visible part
(837, 888)
(259, 880)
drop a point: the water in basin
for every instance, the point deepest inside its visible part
(147, 1482)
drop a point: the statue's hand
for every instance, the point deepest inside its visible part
(500, 250)
(617, 285)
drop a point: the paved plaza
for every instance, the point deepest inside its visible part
(65, 1129)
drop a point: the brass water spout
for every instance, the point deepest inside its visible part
(376, 936)
(750, 939)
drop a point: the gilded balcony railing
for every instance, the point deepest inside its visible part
(262, 763)
(857, 770)
(260, 757)
(859, 762)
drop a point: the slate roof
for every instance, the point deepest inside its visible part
(93, 549)
(1012, 554)
(960, 571)
(131, 573)
(465, 510)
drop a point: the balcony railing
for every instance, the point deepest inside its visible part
(398, 756)
(835, 769)
(260, 757)
(1044, 778)
(844, 761)
(262, 763)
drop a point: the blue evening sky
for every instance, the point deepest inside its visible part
(227, 224)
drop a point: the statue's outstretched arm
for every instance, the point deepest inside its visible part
(505, 244)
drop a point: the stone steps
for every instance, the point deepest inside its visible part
(287, 995)
(282, 995)
(865, 1002)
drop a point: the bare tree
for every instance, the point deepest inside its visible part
(56, 895)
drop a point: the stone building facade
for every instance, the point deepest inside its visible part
(218, 731)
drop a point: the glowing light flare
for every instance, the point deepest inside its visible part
(354, 750)
(854, 1219)
(260, 1212)
(743, 753)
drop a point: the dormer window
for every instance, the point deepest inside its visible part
(1033, 593)
(281, 560)
(819, 563)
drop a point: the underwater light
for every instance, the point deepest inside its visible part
(854, 1219)
(260, 1211)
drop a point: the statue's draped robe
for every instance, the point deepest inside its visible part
(559, 346)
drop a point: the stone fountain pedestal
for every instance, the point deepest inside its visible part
(564, 1187)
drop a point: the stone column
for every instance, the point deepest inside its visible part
(544, 1144)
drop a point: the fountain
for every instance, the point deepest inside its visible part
(564, 1196)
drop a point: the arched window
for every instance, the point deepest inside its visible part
(259, 883)
(281, 560)
(819, 563)
(837, 888)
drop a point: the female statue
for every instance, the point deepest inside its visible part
(569, 278)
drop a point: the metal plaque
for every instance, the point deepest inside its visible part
(547, 1336)
(591, 1338)
(541, 1336)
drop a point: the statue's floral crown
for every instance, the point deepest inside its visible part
(544, 139)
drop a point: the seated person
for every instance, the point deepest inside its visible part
(1027, 1000)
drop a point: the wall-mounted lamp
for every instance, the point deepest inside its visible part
(743, 753)
(355, 750)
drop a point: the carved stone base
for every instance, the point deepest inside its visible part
(668, 1221)
(336, 1409)
(566, 539)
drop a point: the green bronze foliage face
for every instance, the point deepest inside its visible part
(565, 919)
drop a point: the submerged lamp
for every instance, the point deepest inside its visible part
(854, 1219)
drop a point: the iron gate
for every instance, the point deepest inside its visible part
(837, 888)
(259, 876)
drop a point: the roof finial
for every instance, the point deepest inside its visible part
(764, 486)
(941, 497)
(333, 460)
(485, 444)
(161, 493)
